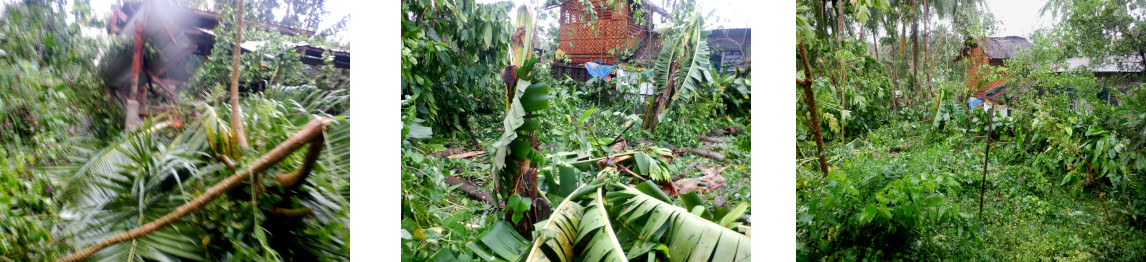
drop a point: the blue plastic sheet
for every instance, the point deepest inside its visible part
(974, 101)
(598, 70)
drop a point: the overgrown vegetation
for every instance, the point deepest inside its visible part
(72, 177)
(909, 172)
(541, 157)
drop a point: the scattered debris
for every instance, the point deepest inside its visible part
(470, 190)
(732, 130)
(709, 182)
(709, 154)
(710, 139)
(466, 155)
(447, 152)
(618, 147)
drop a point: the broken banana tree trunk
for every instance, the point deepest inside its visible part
(312, 131)
(517, 158)
(810, 98)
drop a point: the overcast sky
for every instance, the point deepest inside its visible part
(1018, 17)
(337, 9)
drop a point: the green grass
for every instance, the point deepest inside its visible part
(1026, 215)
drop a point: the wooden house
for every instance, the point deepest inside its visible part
(616, 30)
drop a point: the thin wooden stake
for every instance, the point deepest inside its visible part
(986, 157)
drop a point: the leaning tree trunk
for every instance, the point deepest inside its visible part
(236, 114)
(810, 98)
(661, 101)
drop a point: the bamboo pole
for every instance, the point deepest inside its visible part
(309, 132)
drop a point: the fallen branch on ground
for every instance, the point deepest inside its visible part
(627, 170)
(466, 155)
(470, 190)
(710, 139)
(709, 154)
(447, 152)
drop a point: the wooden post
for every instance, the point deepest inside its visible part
(131, 110)
(986, 157)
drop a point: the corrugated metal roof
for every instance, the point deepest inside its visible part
(1115, 64)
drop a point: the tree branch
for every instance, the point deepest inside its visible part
(309, 132)
(313, 151)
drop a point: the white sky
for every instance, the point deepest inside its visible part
(337, 9)
(1018, 17)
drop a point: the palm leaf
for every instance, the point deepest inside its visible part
(696, 70)
(577, 232)
(689, 237)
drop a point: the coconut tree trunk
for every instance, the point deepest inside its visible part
(236, 114)
(810, 98)
(915, 48)
(926, 47)
(875, 41)
(843, 74)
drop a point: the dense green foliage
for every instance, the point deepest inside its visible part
(71, 176)
(452, 52)
(1063, 179)
(444, 221)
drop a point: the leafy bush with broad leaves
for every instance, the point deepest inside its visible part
(452, 54)
(865, 215)
(850, 107)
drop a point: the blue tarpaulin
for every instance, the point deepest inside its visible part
(599, 70)
(974, 101)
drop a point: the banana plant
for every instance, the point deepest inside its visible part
(516, 161)
(681, 67)
(610, 221)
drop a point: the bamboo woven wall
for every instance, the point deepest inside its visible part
(614, 28)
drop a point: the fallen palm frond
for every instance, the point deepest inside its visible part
(308, 133)
(591, 223)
